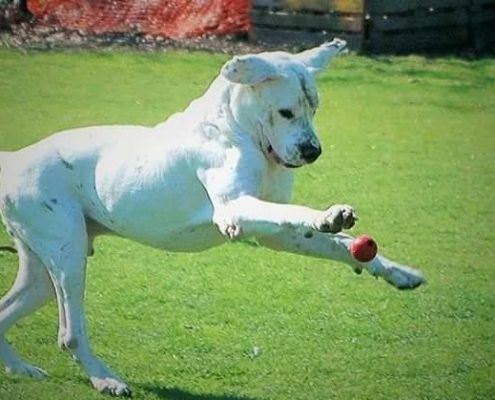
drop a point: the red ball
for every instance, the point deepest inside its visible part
(364, 248)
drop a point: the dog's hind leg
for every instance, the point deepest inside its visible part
(31, 290)
(62, 320)
(63, 250)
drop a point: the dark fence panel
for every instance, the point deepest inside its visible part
(402, 26)
(308, 21)
(380, 26)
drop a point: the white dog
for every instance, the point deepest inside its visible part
(218, 171)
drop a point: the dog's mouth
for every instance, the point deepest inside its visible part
(276, 158)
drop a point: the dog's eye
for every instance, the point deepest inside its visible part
(286, 113)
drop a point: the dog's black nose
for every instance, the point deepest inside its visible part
(309, 152)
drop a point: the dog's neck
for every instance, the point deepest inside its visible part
(208, 106)
(214, 109)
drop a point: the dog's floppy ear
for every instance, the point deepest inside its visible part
(249, 70)
(317, 59)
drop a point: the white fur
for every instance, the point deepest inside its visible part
(215, 172)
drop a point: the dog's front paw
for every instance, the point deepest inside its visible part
(336, 218)
(403, 277)
(400, 276)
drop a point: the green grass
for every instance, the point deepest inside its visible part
(409, 141)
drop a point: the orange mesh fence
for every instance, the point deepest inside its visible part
(169, 18)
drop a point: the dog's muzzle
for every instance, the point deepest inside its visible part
(276, 158)
(308, 154)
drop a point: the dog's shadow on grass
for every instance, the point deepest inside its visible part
(171, 393)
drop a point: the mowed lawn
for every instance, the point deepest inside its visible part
(410, 142)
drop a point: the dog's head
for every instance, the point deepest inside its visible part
(274, 97)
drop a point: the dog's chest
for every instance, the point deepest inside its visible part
(157, 198)
(276, 184)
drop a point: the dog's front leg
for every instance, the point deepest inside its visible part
(337, 247)
(306, 231)
(249, 216)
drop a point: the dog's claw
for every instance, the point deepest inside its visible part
(233, 231)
